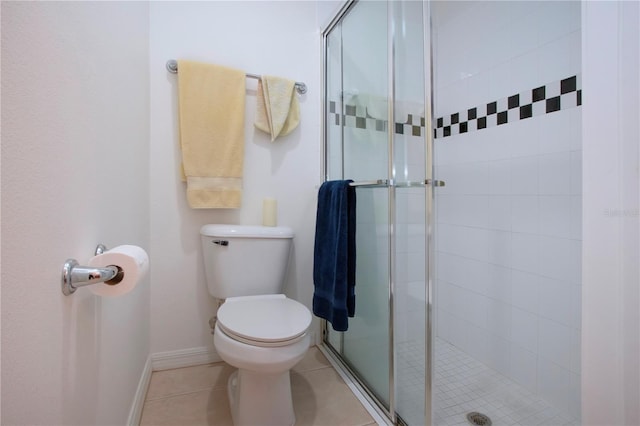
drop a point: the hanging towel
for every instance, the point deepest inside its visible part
(277, 109)
(211, 99)
(334, 263)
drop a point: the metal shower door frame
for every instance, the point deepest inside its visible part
(390, 182)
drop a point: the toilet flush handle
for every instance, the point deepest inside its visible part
(221, 242)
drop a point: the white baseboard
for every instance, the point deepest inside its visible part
(183, 358)
(135, 413)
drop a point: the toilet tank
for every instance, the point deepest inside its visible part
(245, 260)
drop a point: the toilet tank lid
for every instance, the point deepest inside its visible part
(246, 231)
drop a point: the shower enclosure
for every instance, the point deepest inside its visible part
(467, 293)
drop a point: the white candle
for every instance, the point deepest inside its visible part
(269, 212)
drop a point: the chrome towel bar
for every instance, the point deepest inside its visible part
(172, 67)
(408, 184)
(379, 182)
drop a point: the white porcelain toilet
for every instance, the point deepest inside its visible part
(258, 330)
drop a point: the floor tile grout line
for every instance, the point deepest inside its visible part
(311, 369)
(213, 388)
(195, 390)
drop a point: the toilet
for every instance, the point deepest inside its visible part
(258, 329)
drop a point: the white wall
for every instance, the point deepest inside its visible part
(326, 10)
(279, 38)
(611, 300)
(508, 221)
(75, 163)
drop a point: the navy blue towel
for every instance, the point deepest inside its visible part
(334, 262)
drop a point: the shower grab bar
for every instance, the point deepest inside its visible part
(172, 67)
(408, 184)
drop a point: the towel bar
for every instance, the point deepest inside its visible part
(172, 67)
(379, 182)
(408, 184)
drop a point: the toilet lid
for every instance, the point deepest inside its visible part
(268, 320)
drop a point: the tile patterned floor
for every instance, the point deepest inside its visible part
(197, 396)
(462, 384)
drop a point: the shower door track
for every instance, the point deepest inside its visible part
(362, 386)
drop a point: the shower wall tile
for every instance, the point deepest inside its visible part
(576, 354)
(499, 320)
(513, 198)
(444, 320)
(499, 177)
(464, 241)
(498, 354)
(524, 213)
(560, 132)
(524, 135)
(576, 173)
(554, 383)
(560, 259)
(525, 255)
(524, 367)
(555, 342)
(556, 216)
(525, 290)
(475, 307)
(575, 390)
(558, 20)
(476, 341)
(556, 173)
(470, 275)
(558, 301)
(443, 297)
(524, 329)
(415, 267)
(466, 178)
(499, 284)
(500, 212)
(576, 217)
(524, 175)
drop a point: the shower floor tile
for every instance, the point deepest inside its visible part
(461, 385)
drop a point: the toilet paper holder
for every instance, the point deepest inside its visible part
(74, 275)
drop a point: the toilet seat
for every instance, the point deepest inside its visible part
(267, 321)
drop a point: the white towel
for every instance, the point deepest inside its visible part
(212, 133)
(277, 109)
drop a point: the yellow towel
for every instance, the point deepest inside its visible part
(211, 133)
(277, 109)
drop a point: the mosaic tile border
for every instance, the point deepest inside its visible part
(552, 97)
(546, 99)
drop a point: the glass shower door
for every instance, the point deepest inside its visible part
(357, 149)
(410, 338)
(375, 61)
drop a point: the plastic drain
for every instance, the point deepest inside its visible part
(478, 419)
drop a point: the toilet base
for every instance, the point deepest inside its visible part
(260, 399)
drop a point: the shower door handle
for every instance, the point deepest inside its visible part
(434, 182)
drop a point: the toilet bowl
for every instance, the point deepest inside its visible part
(258, 330)
(264, 337)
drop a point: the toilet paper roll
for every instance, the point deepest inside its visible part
(269, 212)
(133, 261)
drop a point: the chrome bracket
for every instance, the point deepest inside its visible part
(74, 275)
(434, 182)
